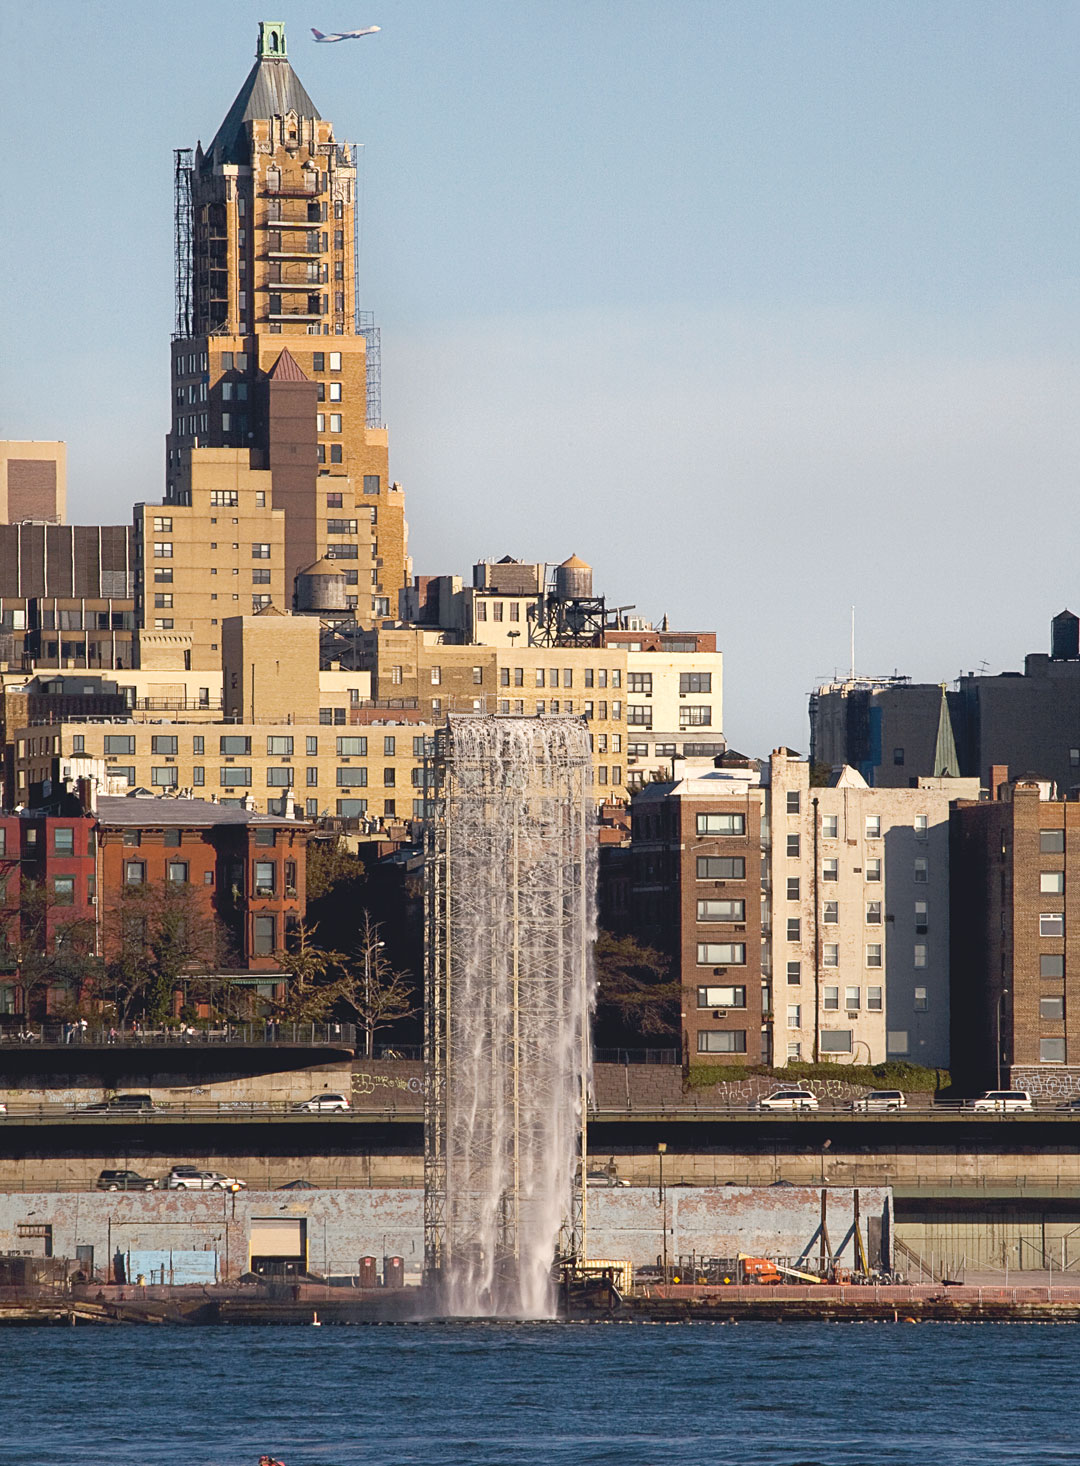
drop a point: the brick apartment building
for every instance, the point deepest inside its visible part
(697, 895)
(1016, 939)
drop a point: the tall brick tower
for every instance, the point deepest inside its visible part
(265, 265)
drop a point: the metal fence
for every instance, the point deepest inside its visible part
(76, 1035)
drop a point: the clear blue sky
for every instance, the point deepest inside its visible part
(763, 309)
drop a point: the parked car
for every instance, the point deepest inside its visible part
(122, 1104)
(788, 1099)
(1072, 1104)
(325, 1103)
(124, 1181)
(190, 1178)
(1003, 1101)
(603, 1178)
(880, 1101)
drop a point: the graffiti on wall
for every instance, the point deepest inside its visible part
(365, 1084)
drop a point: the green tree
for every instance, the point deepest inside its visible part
(314, 978)
(159, 939)
(634, 992)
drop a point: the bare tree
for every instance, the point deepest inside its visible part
(372, 989)
(45, 951)
(159, 939)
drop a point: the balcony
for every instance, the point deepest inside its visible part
(291, 190)
(293, 316)
(276, 286)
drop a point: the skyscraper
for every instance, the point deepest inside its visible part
(270, 353)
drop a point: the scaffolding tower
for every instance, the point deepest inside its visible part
(509, 910)
(183, 162)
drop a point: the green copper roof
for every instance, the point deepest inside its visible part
(946, 762)
(272, 89)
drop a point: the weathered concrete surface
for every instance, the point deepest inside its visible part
(344, 1225)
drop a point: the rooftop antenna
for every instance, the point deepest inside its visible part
(853, 643)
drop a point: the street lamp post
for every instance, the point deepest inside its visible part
(1000, 1005)
(661, 1150)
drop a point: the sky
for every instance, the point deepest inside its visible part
(765, 310)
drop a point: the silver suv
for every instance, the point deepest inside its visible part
(1003, 1101)
(190, 1178)
(880, 1101)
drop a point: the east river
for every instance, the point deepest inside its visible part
(636, 1395)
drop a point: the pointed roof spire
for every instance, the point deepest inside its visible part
(271, 89)
(946, 762)
(287, 369)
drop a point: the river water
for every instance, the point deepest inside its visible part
(472, 1395)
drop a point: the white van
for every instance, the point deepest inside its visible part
(1000, 1101)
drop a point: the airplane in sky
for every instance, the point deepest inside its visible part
(345, 35)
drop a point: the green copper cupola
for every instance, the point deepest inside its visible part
(271, 40)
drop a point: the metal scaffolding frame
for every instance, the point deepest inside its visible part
(509, 893)
(183, 161)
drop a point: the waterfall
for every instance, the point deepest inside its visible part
(520, 877)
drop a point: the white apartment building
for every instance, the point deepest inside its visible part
(674, 699)
(860, 916)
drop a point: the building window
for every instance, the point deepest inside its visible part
(721, 954)
(721, 997)
(355, 777)
(920, 827)
(830, 870)
(831, 998)
(198, 774)
(263, 936)
(794, 929)
(829, 826)
(1051, 1051)
(721, 868)
(830, 913)
(1052, 1009)
(371, 483)
(873, 954)
(351, 808)
(793, 801)
(134, 872)
(721, 824)
(873, 870)
(279, 778)
(1052, 924)
(921, 869)
(352, 747)
(78, 745)
(830, 954)
(1052, 842)
(922, 918)
(898, 756)
(922, 1002)
(64, 890)
(640, 682)
(1052, 882)
(793, 847)
(852, 998)
(873, 827)
(695, 716)
(335, 361)
(233, 745)
(165, 744)
(794, 1015)
(639, 717)
(265, 878)
(279, 745)
(721, 910)
(163, 550)
(873, 913)
(722, 1041)
(874, 999)
(1051, 964)
(836, 1041)
(119, 743)
(176, 872)
(794, 1053)
(162, 525)
(165, 778)
(235, 777)
(794, 974)
(63, 841)
(695, 682)
(793, 888)
(260, 552)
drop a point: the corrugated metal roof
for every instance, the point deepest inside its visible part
(272, 89)
(121, 809)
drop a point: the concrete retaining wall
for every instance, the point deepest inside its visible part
(343, 1226)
